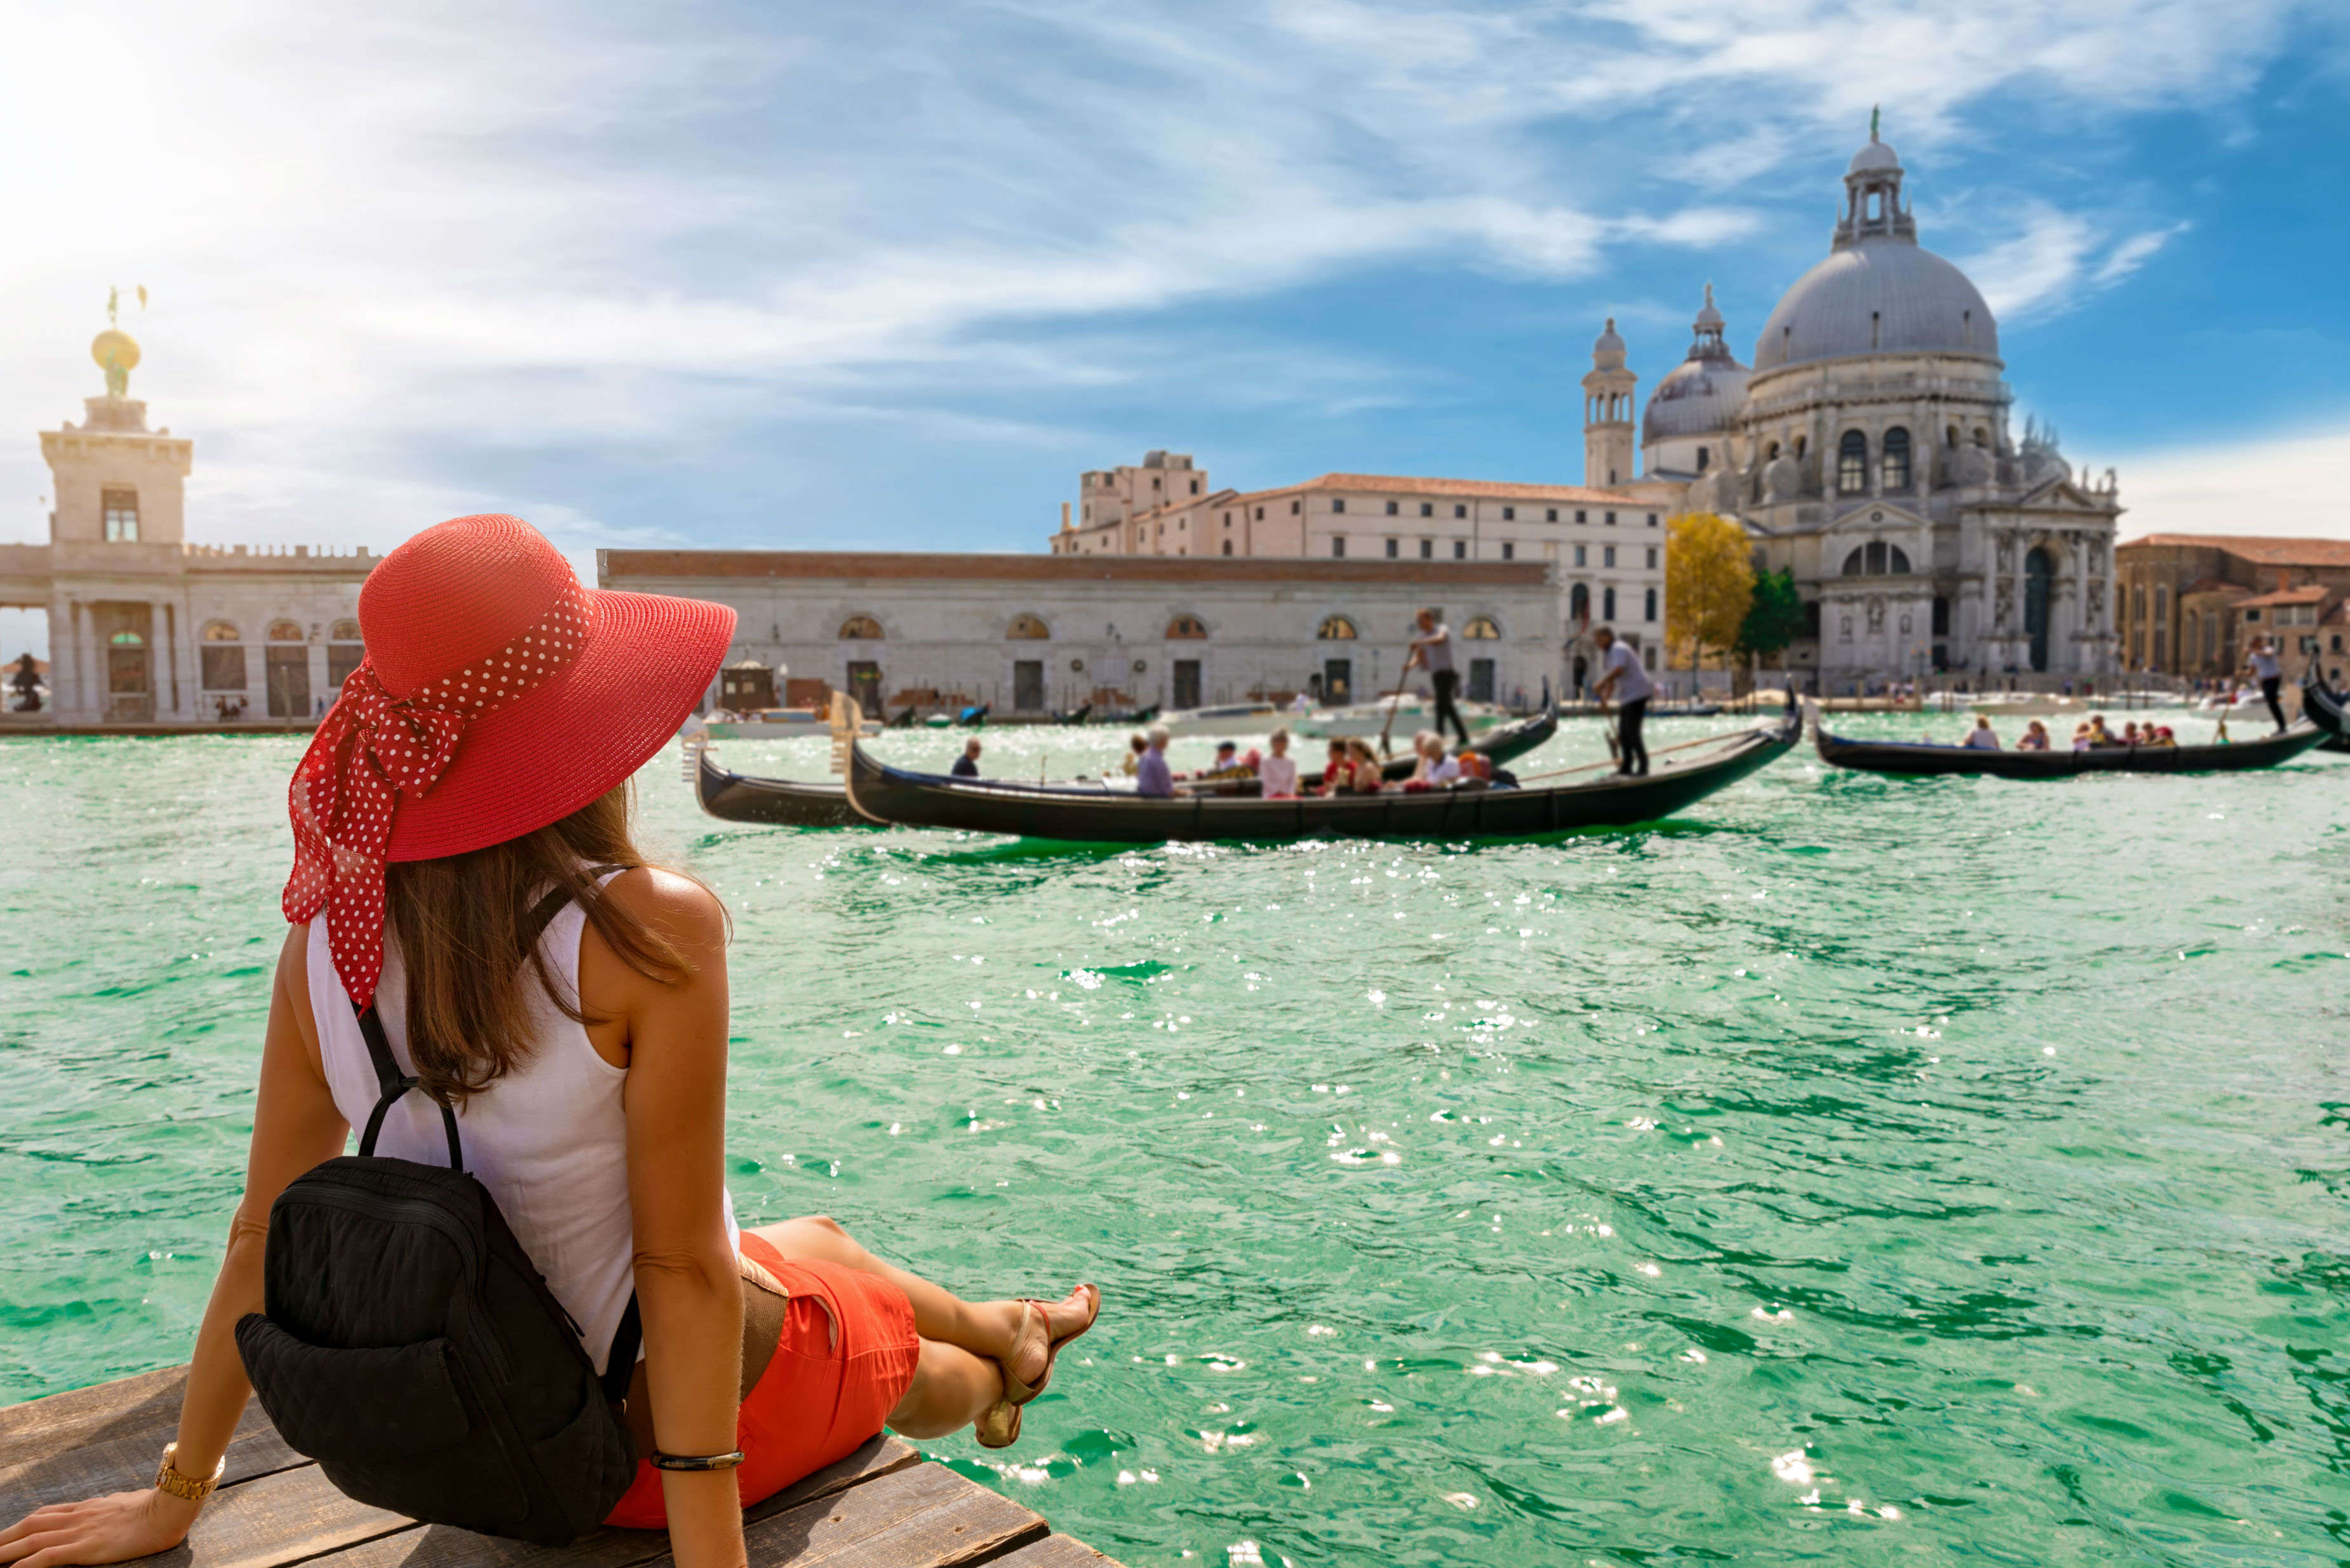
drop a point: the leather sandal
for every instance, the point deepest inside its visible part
(998, 1427)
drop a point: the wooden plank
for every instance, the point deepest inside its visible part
(444, 1546)
(40, 1427)
(122, 1463)
(276, 1519)
(925, 1517)
(1055, 1552)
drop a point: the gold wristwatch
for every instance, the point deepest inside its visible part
(170, 1479)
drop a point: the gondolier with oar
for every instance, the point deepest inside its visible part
(1624, 678)
(1433, 648)
(2260, 664)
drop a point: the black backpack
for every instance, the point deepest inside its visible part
(408, 1345)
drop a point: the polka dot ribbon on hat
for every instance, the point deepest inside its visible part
(372, 748)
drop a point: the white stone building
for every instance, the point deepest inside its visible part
(1868, 449)
(146, 628)
(1034, 634)
(1604, 548)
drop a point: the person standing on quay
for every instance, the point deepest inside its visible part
(1433, 648)
(2260, 663)
(1624, 678)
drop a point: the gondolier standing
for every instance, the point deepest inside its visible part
(2260, 663)
(1433, 647)
(1622, 677)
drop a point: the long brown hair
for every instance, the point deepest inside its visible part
(463, 926)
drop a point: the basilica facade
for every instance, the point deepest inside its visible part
(1868, 448)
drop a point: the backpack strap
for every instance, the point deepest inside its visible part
(393, 1082)
(621, 1365)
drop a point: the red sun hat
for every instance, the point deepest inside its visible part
(498, 696)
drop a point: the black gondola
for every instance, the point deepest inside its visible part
(1076, 716)
(790, 802)
(1099, 815)
(1922, 757)
(2323, 708)
(905, 719)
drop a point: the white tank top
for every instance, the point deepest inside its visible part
(549, 1139)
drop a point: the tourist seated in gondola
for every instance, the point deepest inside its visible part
(1365, 775)
(1435, 769)
(2034, 738)
(2081, 739)
(2100, 738)
(1279, 771)
(1153, 779)
(1229, 763)
(2158, 735)
(1133, 750)
(1336, 769)
(1982, 737)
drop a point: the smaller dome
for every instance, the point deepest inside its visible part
(1696, 398)
(1876, 156)
(115, 349)
(1607, 342)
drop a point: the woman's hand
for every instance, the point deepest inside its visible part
(112, 1529)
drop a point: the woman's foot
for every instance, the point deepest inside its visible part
(1039, 1331)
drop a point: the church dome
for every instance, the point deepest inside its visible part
(1879, 297)
(1704, 393)
(1608, 341)
(1878, 292)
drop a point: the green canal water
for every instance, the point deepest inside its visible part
(1860, 1169)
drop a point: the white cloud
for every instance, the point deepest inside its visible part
(2058, 259)
(399, 252)
(2284, 485)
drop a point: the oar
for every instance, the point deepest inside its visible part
(1615, 751)
(1393, 703)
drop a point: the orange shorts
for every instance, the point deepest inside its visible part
(820, 1397)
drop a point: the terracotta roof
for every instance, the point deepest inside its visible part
(2315, 593)
(615, 567)
(2266, 552)
(1456, 489)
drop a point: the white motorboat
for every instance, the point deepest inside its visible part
(1227, 719)
(1370, 720)
(768, 724)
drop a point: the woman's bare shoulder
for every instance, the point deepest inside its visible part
(677, 906)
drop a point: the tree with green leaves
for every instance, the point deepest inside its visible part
(1774, 615)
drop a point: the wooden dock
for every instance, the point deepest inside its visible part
(882, 1507)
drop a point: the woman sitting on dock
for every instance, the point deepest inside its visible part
(556, 1008)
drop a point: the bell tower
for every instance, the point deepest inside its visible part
(115, 480)
(1607, 414)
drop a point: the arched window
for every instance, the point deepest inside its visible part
(1480, 629)
(219, 631)
(344, 631)
(1608, 604)
(127, 640)
(1851, 563)
(344, 651)
(1578, 602)
(1336, 628)
(1027, 628)
(1949, 435)
(1900, 563)
(1896, 463)
(1186, 627)
(1852, 464)
(1228, 546)
(286, 631)
(1772, 453)
(1876, 557)
(862, 628)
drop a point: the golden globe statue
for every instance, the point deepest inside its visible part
(117, 353)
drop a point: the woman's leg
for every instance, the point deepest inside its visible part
(952, 1388)
(984, 1329)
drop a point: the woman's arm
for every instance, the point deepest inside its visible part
(295, 1127)
(688, 1286)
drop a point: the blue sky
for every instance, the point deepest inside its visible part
(893, 275)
